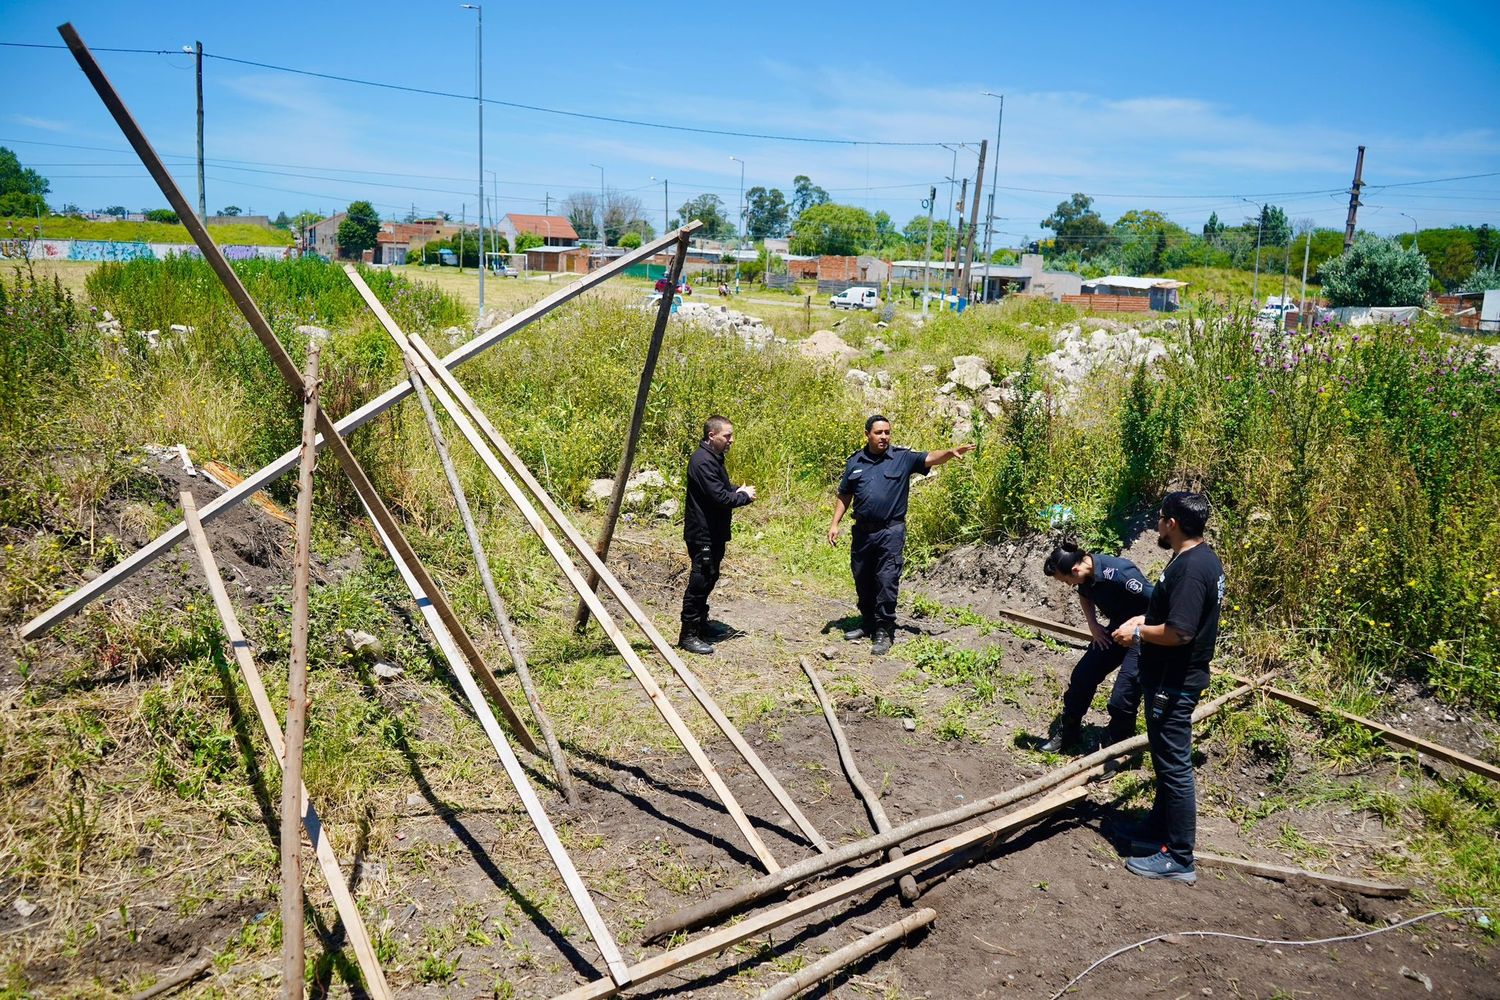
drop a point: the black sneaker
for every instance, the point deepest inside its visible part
(1163, 866)
(717, 630)
(693, 643)
(1068, 734)
(884, 640)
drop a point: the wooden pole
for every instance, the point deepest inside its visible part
(285, 366)
(658, 698)
(846, 956)
(293, 964)
(1281, 873)
(1390, 735)
(354, 925)
(497, 606)
(94, 589)
(633, 435)
(617, 590)
(870, 797)
(759, 923)
(739, 897)
(968, 269)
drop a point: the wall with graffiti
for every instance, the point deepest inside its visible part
(101, 250)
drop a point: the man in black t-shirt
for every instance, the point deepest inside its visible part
(1176, 641)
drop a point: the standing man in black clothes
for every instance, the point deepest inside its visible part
(1176, 641)
(711, 500)
(877, 482)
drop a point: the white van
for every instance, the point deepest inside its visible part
(856, 298)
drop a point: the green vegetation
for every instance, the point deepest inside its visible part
(68, 227)
(1376, 272)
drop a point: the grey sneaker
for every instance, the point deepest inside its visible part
(1162, 865)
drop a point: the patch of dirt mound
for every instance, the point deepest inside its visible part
(992, 578)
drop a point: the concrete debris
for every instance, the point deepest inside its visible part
(858, 376)
(386, 670)
(667, 509)
(317, 333)
(1078, 356)
(1416, 976)
(723, 321)
(639, 488)
(362, 644)
(928, 370)
(881, 379)
(24, 906)
(971, 373)
(910, 725)
(825, 345)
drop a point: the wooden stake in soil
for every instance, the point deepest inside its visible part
(620, 594)
(293, 965)
(871, 798)
(738, 898)
(288, 369)
(846, 956)
(497, 606)
(633, 436)
(1281, 873)
(354, 925)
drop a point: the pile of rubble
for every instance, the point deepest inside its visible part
(645, 493)
(1077, 356)
(111, 327)
(722, 321)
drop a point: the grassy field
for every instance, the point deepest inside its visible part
(65, 227)
(1229, 286)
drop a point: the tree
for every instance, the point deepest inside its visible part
(631, 241)
(1376, 272)
(1143, 236)
(119, 211)
(1272, 225)
(830, 228)
(622, 213)
(1078, 226)
(281, 221)
(1213, 228)
(915, 233)
(358, 230)
(806, 194)
(305, 218)
(15, 203)
(766, 213)
(22, 190)
(1483, 279)
(161, 215)
(708, 209)
(230, 210)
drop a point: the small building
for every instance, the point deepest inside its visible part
(836, 273)
(391, 248)
(994, 281)
(554, 230)
(1160, 293)
(558, 260)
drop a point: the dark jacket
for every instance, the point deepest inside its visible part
(711, 498)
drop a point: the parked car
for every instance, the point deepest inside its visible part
(1275, 314)
(856, 298)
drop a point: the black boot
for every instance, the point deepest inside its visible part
(856, 633)
(692, 642)
(885, 638)
(1066, 733)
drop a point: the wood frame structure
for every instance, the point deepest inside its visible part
(343, 901)
(809, 976)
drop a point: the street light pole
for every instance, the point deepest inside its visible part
(479, 103)
(1413, 230)
(666, 213)
(1260, 219)
(601, 207)
(739, 232)
(989, 226)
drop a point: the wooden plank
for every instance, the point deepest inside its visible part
(846, 956)
(759, 923)
(1051, 626)
(343, 901)
(497, 606)
(1389, 734)
(1282, 873)
(633, 434)
(92, 590)
(290, 374)
(293, 922)
(736, 898)
(658, 698)
(617, 590)
(907, 885)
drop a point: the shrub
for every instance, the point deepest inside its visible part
(1376, 272)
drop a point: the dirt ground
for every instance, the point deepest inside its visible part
(1021, 919)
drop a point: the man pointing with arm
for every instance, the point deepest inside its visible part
(877, 484)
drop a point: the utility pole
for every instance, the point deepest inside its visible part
(927, 257)
(984, 145)
(202, 195)
(666, 213)
(1306, 256)
(958, 239)
(989, 229)
(479, 102)
(1359, 169)
(1260, 219)
(547, 203)
(463, 220)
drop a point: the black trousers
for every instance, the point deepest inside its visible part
(1169, 726)
(876, 558)
(1090, 672)
(705, 557)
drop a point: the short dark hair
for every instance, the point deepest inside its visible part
(715, 423)
(1191, 511)
(875, 418)
(1063, 558)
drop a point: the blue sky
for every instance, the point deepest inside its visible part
(1183, 108)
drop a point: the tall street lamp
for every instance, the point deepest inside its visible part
(601, 206)
(479, 102)
(1260, 218)
(1413, 230)
(989, 228)
(738, 237)
(666, 213)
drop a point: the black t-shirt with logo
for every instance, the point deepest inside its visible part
(1187, 598)
(1119, 590)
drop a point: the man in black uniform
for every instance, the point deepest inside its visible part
(711, 500)
(1176, 640)
(877, 481)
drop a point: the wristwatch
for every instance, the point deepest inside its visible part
(1138, 637)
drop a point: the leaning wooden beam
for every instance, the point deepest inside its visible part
(759, 923)
(849, 954)
(354, 925)
(1282, 873)
(739, 897)
(94, 589)
(559, 855)
(633, 434)
(868, 795)
(284, 363)
(497, 606)
(462, 421)
(293, 923)
(1070, 631)
(620, 594)
(1397, 736)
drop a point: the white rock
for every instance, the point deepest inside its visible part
(24, 906)
(881, 378)
(386, 670)
(971, 375)
(314, 332)
(599, 491)
(857, 376)
(646, 479)
(667, 509)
